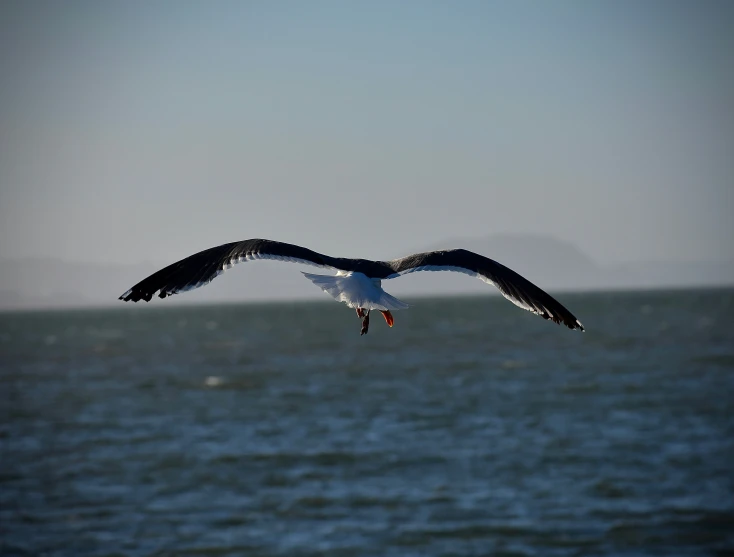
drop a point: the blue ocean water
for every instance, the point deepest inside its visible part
(470, 428)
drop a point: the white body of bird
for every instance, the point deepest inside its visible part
(357, 291)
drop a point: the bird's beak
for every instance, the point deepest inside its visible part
(388, 317)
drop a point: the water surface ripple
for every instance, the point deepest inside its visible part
(470, 428)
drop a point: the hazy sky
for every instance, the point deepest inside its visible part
(133, 131)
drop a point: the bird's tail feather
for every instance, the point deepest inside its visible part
(391, 302)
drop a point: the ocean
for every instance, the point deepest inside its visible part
(469, 428)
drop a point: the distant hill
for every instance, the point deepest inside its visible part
(550, 263)
(541, 259)
(557, 266)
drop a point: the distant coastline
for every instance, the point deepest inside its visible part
(556, 266)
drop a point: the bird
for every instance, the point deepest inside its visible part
(357, 282)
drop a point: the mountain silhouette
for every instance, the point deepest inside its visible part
(552, 264)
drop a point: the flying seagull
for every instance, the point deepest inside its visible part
(358, 282)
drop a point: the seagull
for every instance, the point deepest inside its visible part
(357, 282)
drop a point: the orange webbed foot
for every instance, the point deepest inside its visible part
(388, 317)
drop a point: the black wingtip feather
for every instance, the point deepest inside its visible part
(203, 267)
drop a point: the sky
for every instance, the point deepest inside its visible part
(147, 130)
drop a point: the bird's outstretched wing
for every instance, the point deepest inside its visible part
(203, 267)
(514, 287)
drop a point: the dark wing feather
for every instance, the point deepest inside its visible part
(203, 267)
(514, 287)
